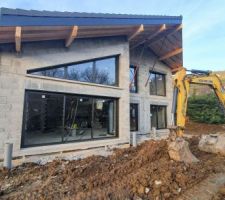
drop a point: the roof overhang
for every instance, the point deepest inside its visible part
(162, 34)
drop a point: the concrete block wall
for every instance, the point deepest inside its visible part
(143, 97)
(14, 81)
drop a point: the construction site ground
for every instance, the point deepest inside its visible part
(145, 172)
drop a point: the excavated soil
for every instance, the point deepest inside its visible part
(145, 172)
(220, 195)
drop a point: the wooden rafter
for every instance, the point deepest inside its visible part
(18, 34)
(170, 54)
(173, 70)
(72, 36)
(137, 32)
(179, 27)
(157, 32)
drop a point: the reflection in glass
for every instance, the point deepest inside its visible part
(133, 79)
(158, 117)
(157, 84)
(134, 117)
(101, 71)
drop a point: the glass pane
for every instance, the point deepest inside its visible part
(161, 117)
(77, 118)
(154, 116)
(160, 79)
(105, 71)
(56, 73)
(99, 71)
(134, 117)
(104, 121)
(152, 84)
(80, 72)
(133, 80)
(43, 118)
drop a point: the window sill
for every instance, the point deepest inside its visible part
(73, 82)
(152, 95)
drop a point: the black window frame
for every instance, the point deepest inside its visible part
(66, 65)
(157, 126)
(164, 80)
(136, 117)
(135, 79)
(23, 145)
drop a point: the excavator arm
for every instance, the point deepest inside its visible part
(182, 82)
(178, 148)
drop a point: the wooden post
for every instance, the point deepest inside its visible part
(72, 36)
(18, 33)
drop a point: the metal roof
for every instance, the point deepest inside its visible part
(19, 17)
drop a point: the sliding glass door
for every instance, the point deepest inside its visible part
(51, 118)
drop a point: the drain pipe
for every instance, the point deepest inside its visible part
(8, 155)
(154, 133)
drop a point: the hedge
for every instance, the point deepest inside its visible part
(205, 109)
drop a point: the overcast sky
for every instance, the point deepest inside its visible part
(203, 20)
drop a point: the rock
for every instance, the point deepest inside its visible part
(147, 190)
(213, 143)
(137, 198)
(141, 189)
(222, 190)
(167, 195)
(158, 182)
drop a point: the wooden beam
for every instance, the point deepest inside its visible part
(179, 27)
(72, 36)
(157, 32)
(170, 54)
(174, 70)
(18, 33)
(137, 32)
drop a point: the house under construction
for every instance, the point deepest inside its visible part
(78, 81)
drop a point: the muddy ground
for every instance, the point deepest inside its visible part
(145, 172)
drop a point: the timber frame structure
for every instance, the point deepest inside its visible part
(21, 26)
(77, 82)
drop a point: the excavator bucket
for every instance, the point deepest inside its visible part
(178, 150)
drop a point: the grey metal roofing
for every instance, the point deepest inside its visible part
(19, 17)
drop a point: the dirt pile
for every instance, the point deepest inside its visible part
(145, 172)
(220, 194)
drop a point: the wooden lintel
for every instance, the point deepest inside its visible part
(170, 54)
(179, 27)
(18, 34)
(160, 30)
(72, 36)
(137, 32)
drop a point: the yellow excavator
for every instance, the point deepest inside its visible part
(178, 147)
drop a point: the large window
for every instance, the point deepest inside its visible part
(100, 71)
(158, 116)
(51, 118)
(133, 79)
(157, 84)
(133, 117)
